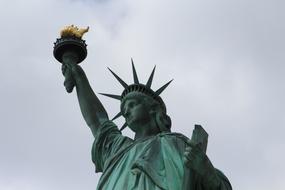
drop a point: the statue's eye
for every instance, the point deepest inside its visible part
(132, 104)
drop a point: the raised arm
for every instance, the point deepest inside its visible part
(91, 108)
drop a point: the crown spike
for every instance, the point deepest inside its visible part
(136, 80)
(161, 89)
(112, 96)
(119, 79)
(124, 126)
(118, 115)
(149, 82)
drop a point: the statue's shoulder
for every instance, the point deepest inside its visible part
(173, 135)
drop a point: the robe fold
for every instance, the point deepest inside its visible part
(153, 163)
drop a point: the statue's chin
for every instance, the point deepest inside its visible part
(133, 125)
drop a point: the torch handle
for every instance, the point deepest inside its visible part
(69, 58)
(69, 81)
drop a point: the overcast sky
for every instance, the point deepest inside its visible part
(226, 58)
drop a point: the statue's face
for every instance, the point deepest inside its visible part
(136, 112)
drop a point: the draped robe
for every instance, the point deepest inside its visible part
(152, 163)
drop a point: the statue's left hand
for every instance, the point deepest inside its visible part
(196, 159)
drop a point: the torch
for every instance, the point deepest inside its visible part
(70, 49)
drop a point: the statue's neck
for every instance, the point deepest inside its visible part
(146, 130)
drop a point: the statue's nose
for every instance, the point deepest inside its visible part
(127, 112)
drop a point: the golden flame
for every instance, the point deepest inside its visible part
(73, 31)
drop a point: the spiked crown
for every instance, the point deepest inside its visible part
(138, 87)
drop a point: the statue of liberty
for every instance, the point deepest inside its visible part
(156, 159)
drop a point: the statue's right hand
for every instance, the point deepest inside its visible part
(73, 73)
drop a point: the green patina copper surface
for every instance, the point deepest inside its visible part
(156, 158)
(155, 162)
